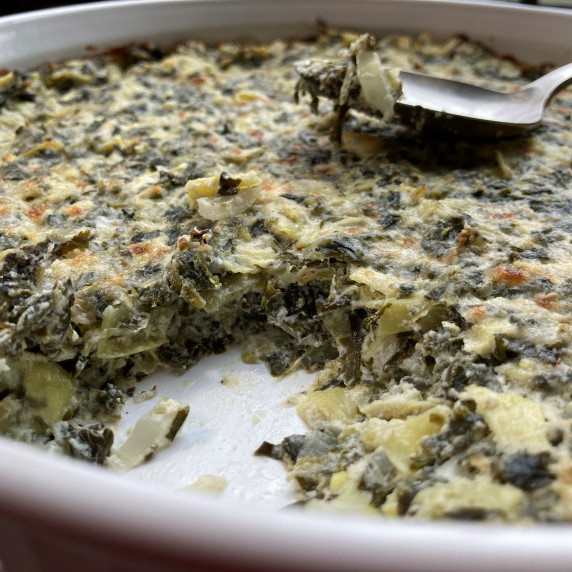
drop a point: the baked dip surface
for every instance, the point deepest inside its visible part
(157, 207)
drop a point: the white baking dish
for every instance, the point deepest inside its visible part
(57, 514)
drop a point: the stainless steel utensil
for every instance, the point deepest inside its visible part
(474, 111)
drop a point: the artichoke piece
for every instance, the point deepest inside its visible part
(333, 405)
(517, 423)
(400, 439)
(122, 338)
(51, 389)
(397, 317)
(445, 499)
(153, 431)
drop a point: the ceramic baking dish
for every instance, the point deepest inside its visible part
(58, 514)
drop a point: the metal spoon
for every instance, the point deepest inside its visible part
(451, 106)
(474, 111)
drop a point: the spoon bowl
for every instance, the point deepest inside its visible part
(466, 109)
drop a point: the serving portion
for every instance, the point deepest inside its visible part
(159, 205)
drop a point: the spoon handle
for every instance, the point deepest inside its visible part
(551, 83)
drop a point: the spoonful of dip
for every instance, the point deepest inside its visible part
(359, 81)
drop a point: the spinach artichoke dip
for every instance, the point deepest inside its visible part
(158, 206)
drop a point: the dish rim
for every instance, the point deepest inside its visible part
(114, 504)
